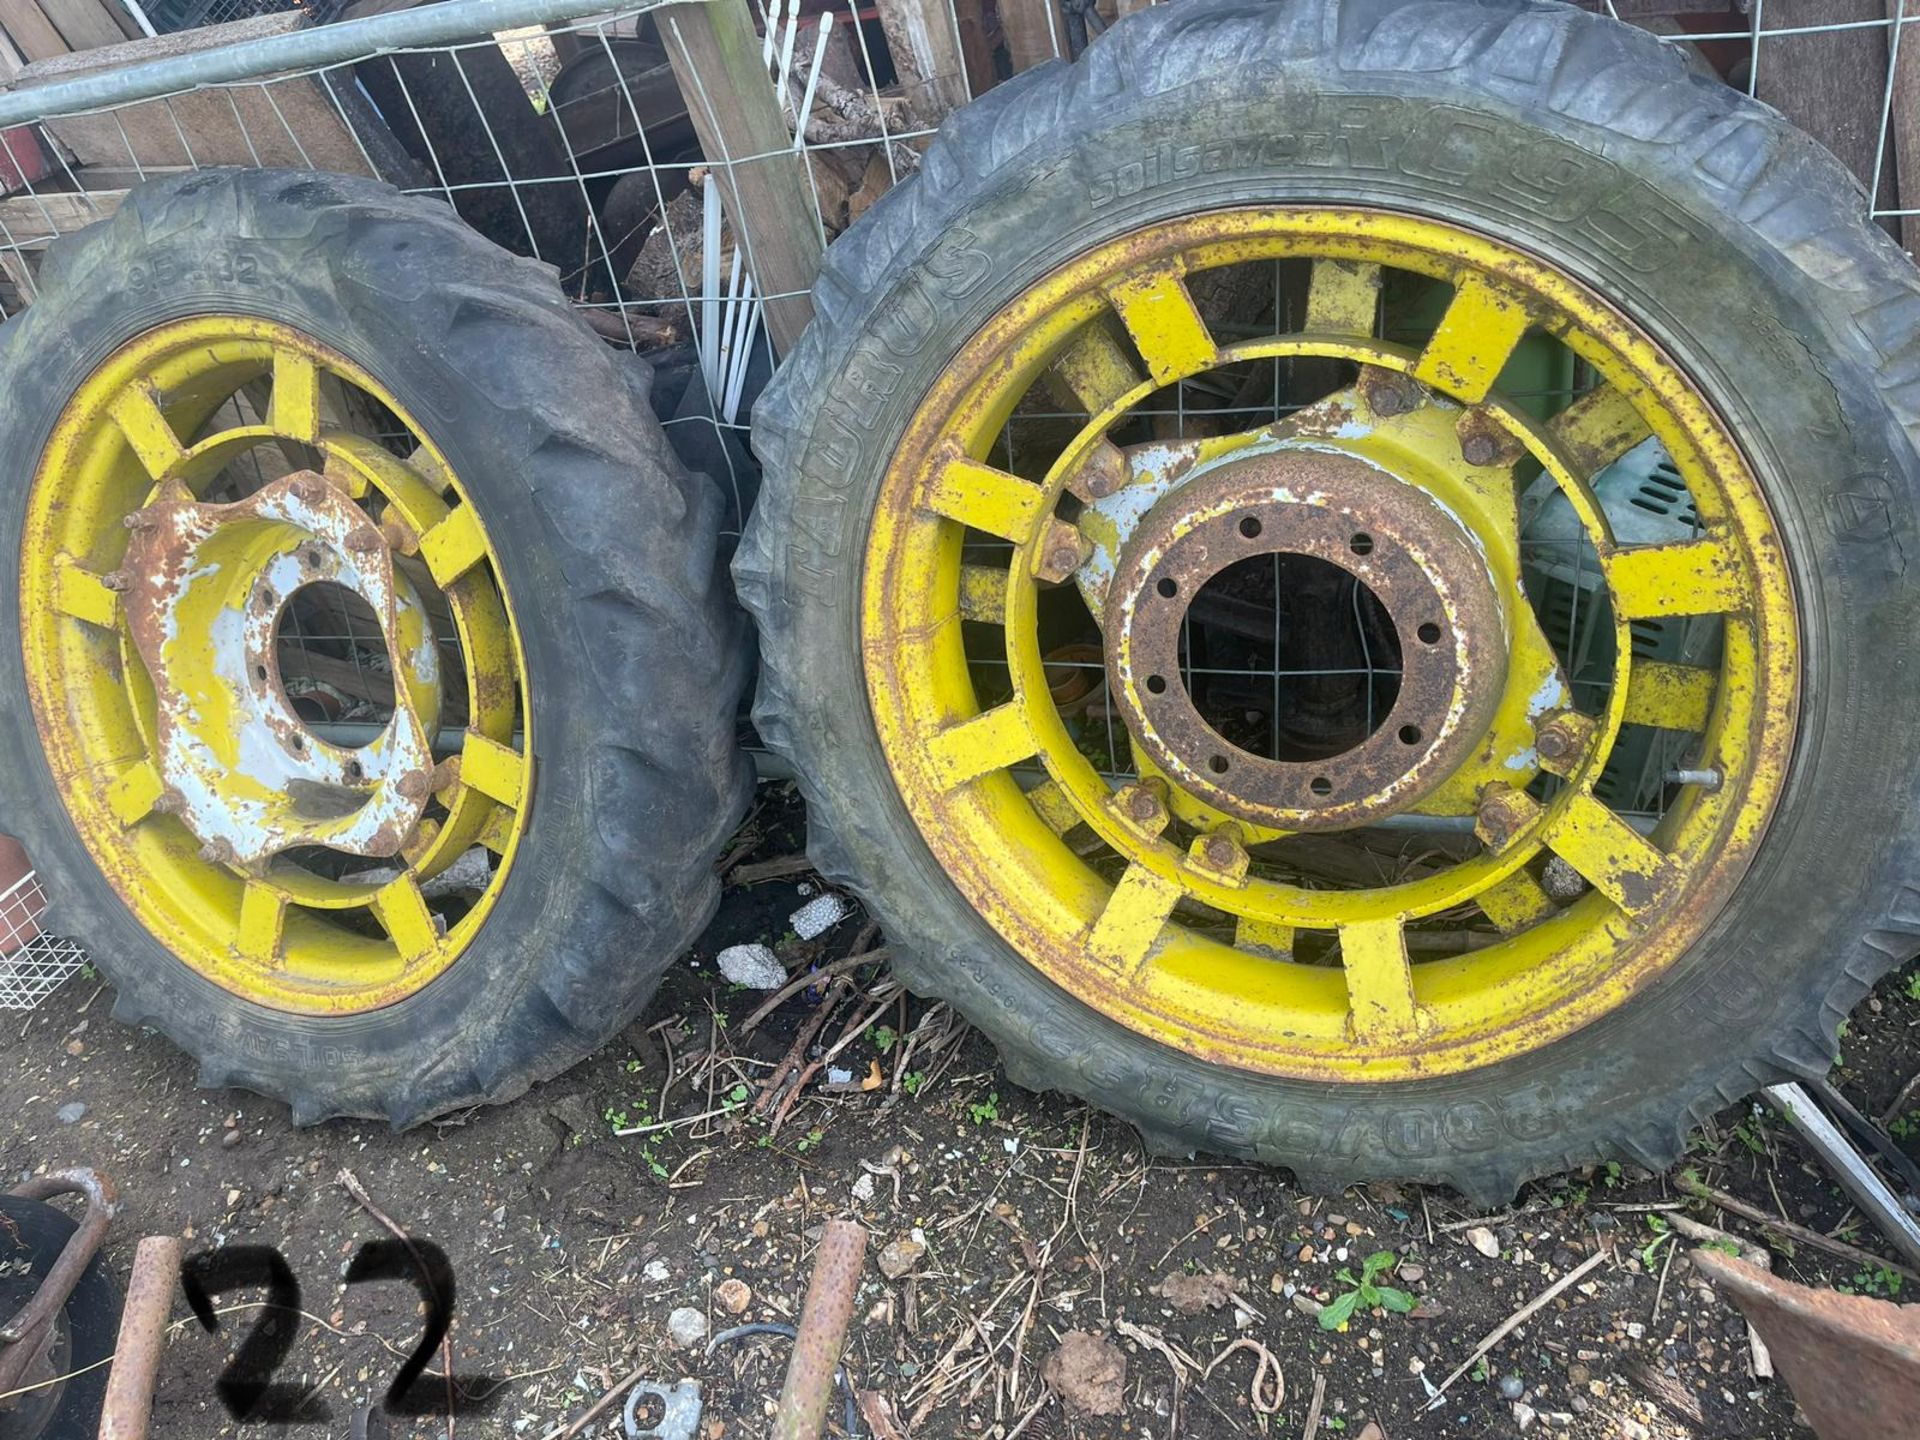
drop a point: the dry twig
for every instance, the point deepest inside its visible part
(1518, 1318)
(1312, 1427)
(1734, 1205)
(619, 1388)
(350, 1182)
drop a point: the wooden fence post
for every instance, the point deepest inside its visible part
(1036, 32)
(925, 43)
(763, 181)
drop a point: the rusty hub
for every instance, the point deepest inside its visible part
(1431, 581)
(206, 589)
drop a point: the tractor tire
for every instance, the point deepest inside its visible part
(1680, 225)
(561, 629)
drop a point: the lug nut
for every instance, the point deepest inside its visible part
(1142, 805)
(1483, 441)
(1104, 471)
(415, 785)
(171, 802)
(1221, 855)
(117, 581)
(1502, 814)
(217, 852)
(141, 520)
(1562, 738)
(306, 489)
(365, 540)
(1062, 552)
(1386, 393)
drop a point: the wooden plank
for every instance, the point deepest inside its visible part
(981, 76)
(12, 62)
(84, 24)
(925, 46)
(1036, 32)
(730, 97)
(1904, 122)
(19, 272)
(290, 122)
(1831, 84)
(33, 222)
(30, 30)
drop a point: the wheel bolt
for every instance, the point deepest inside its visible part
(217, 852)
(1386, 393)
(171, 802)
(1063, 551)
(141, 520)
(415, 785)
(306, 489)
(1221, 854)
(365, 540)
(117, 581)
(1562, 738)
(1104, 471)
(1502, 814)
(1483, 441)
(1142, 805)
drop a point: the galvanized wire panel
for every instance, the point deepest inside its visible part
(33, 962)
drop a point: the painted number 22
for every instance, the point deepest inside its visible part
(247, 1387)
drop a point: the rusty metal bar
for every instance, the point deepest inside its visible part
(143, 1326)
(426, 25)
(1853, 1363)
(823, 1330)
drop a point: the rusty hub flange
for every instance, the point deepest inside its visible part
(1433, 583)
(241, 769)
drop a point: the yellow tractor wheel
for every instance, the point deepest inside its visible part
(375, 717)
(1462, 517)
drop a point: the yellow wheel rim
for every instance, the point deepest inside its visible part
(1200, 909)
(218, 503)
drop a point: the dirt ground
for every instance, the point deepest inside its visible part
(573, 1246)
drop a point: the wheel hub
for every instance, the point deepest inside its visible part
(1429, 579)
(206, 588)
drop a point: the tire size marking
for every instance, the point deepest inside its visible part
(217, 267)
